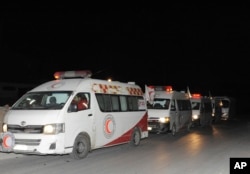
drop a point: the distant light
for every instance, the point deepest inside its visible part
(109, 80)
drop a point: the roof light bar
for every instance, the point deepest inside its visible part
(72, 74)
(196, 95)
(162, 88)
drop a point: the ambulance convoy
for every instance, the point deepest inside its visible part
(208, 110)
(116, 113)
(49, 118)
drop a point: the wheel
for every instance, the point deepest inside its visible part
(81, 147)
(135, 137)
(173, 131)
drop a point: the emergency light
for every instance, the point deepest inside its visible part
(162, 88)
(72, 74)
(196, 95)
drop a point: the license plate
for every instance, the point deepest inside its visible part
(20, 147)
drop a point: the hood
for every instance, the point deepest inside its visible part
(32, 117)
(157, 113)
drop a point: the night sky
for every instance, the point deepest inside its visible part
(202, 46)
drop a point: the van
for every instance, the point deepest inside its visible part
(201, 110)
(223, 108)
(169, 111)
(52, 118)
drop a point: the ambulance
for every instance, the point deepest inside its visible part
(170, 111)
(201, 110)
(116, 113)
(223, 108)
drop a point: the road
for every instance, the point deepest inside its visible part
(203, 150)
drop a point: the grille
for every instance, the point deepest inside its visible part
(28, 142)
(32, 129)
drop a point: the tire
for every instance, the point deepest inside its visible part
(173, 131)
(81, 147)
(135, 137)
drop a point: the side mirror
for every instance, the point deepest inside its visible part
(72, 107)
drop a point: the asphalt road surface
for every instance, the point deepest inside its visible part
(203, 150)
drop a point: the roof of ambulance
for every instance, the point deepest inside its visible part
(172, 94)
(72, 84)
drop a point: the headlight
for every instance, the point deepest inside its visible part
(5, 127)
(164, 119)
(195, 117)
(54, 128)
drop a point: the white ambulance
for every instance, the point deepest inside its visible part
(201, 110)
(50, 119)
(223, 108)
(170, 111)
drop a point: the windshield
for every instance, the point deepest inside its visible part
(159, 103)
(43, 100)
(195, 105)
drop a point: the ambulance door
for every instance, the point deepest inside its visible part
(184, 110)
(180, 120)
(106, 120)
(78, 118)
(187, 113)
(174, 123)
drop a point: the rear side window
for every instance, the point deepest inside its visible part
(118, 103)
(184, 105)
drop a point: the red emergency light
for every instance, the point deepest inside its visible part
(196, 95)
(72, 74)
(169, 88)
(162, 88)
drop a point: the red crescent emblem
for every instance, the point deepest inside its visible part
(107, 126)
(6, 140)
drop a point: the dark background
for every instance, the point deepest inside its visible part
(201, 46)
